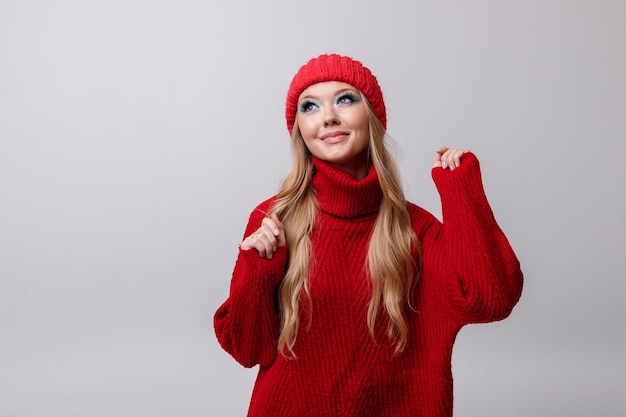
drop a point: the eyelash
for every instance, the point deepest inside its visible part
(345, 98)
(353, 98)
(307, 106)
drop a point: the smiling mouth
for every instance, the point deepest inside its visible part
(334, 137)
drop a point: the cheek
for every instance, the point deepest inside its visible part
(360, 125)
(356, 118)
(307, 127)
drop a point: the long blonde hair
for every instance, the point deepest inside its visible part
(393, 257)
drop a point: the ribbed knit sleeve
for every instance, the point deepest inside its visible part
(247, 324)
(482, 275)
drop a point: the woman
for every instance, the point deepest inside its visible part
(348, 297)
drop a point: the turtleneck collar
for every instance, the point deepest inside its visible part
(340, 194)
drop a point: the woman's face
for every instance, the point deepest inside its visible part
(333, 122)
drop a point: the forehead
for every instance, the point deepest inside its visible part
(325, 88)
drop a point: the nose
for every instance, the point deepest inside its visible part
(330, 116)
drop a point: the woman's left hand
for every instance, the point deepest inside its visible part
(448, 158)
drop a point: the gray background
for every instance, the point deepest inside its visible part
(136, 136)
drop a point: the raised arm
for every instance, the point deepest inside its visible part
(481, 272)
(247, 324)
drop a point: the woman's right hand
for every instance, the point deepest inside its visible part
(267, 238)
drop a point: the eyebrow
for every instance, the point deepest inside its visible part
(338, 92)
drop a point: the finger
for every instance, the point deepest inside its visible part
(271, 225)
(451, 158)
(253, 242)
(437, 161)
(271, 232)
(455, 157)
(277, 221)
(445, 159)
(245, 245)
(260, 241)
(282, 239)
(262, 246)
(267, 239)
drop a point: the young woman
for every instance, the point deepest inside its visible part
(348, 297)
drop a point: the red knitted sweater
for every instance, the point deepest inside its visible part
(470, 274)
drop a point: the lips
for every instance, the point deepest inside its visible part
(333, 137)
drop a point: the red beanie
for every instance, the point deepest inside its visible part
(335, 67)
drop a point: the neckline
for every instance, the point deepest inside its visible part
(340, 194)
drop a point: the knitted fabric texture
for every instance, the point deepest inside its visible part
(333, 67)
(470, 274)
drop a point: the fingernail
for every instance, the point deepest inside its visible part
(276, 231)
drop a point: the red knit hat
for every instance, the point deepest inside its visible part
(333, 67)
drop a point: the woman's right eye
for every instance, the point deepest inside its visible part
(307, 106)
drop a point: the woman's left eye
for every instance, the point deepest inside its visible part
(347, 98)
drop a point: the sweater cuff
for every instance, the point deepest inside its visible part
(464, 180)
(268, 272)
